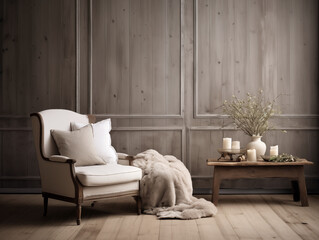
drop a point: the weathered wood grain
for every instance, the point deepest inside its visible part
(249, 216)
(136, 141)
(38, 57)
(136, 57)
(143, 59)
(244, 46)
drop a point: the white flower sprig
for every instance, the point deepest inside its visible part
(251, 114)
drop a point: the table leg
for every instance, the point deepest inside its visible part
(215, 187)
(295, 190)
(302, 188)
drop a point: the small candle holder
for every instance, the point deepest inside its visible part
(227, 154)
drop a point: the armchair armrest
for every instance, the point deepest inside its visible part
(58, 176)
(125, 159)
(62, 159)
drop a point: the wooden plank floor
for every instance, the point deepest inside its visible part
(239, 217)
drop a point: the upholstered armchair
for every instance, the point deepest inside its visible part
(62, 179)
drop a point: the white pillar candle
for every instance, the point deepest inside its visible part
(235, 145)
(274, 151)
(251, 155)
(226, 143)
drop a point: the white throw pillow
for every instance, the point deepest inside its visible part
(78, 145)
(102, 139)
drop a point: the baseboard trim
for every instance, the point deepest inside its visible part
(20, 190)
(196, 191)
(233, 191)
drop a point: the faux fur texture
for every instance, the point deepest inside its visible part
(166, 188)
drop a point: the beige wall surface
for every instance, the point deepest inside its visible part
(161, 70)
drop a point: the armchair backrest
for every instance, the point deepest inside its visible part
(44, 121)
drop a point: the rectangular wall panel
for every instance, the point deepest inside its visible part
(38, 55)
(37, 73)
(244, 46)
(18, 154)
(18, 163)
(166, 142)
(203, 144)
(136, 57)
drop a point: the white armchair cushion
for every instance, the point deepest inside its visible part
(102, 139)
(109, 174)
(77, 145)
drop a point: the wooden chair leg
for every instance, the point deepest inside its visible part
(138, 205)
(78, 214)
(45, 206)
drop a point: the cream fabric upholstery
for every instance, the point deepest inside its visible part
(90, 192)
(53, 174)
(78, 145)
(61, 180)
(57, 119)
(109, 174)
(56, 178)
(102, 139)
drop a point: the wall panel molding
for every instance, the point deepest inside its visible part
(195, 77)
(293, 116)
(78, 56)
(26, 178)
(90, 62)
(211, 128)
(14, 116)
(15, 129)
(147, 128)
(296, 116)
(138, 116)
(217, 116)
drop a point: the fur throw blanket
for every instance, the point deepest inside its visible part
(166, 188)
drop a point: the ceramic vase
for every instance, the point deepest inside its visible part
(257, 144)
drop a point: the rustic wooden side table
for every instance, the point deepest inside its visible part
(261, 169)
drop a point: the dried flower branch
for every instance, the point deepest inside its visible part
(251, 114)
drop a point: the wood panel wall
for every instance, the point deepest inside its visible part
(161, 70)
(251, 45)
(136, 46)
(37, 72)
(244, 46)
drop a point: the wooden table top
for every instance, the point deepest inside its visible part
(215, 162)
